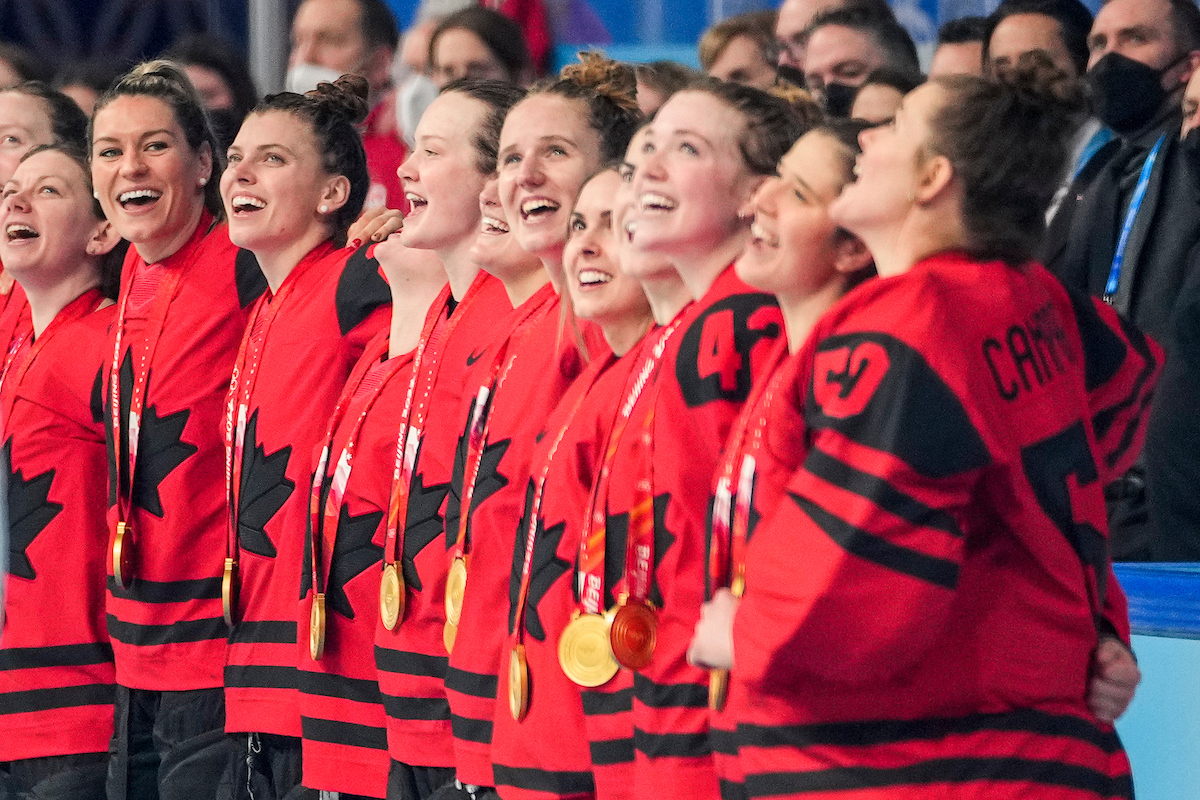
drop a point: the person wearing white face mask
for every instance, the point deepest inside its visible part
(331, 38)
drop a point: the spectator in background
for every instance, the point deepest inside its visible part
(741, 49)
(1057, 29)
(18, 65)
(1173, 436)
(85, 81)
(479, 43)
(877, 100)
(335, 37)
(657, 81)
(959, 48)
(796, 15)
(1126, 244)
(845, 46)
(415, 90)
(221, 77)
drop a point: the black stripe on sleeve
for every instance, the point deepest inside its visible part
(667, 695)
(327, 685)
(471, 683)
(538, 780)
(471, 730)
(870, 547)
(949, 770)
(94, 694)
(877, 732)
(401, 663)
(603, 703)
(732, 791)
(344, 733)
(63, 655)
(671, 745)
(264, 632)
(879, 492)
(145, 591)
(416, 708)
(247, 677)
(193, 630)
(612, 751)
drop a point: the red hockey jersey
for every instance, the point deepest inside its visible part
(341, 709)
(530, 370)
(296, 354)
(57, 679)
(547, 754)
(724, 342)
(922, 604)
(167, 629)
(411, 659)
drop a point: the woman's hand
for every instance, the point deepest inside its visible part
(374, 225)
(712, 645)
(1115, 677)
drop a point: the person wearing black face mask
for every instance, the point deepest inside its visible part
(1133, 228)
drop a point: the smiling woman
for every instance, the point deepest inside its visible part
(297, 178)
(54, 638)
(181, 310)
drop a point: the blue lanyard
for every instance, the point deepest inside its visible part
(1139, 194)
(1098, 140)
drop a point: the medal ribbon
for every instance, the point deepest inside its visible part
(536, 505)
(590, 580)
(241, 386)
(324, 517)
(439, 326)
(164, 293)
(732, 502)
(481, 412)
(77, 309)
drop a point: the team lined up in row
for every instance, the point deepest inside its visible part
(514, 485)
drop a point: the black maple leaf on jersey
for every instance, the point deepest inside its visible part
(422, 524)
(29, 512)
(487, 482)
(663, 539)
(160, 445)
(353, 553)
(544, 569)
(265, 488)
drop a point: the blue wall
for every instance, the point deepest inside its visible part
(680, 22)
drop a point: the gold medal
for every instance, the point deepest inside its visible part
(449, 634)
(122, 555)
(718, 689)
(718, 679)
(518, 683)
(316, 627)
(456, 587)
(584, 652)
(633, 634)
(229, 590)
(391, 596)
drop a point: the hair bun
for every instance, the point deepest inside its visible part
(346, 98)
(1040, 85)
(605, 77)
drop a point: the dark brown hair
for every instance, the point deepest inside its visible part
(499, 97)
(109, 264)
(609, 89)
(67, 122)
(167, 82)
(501, 35)
(772, 123)
(1006, 141)
(332, 111)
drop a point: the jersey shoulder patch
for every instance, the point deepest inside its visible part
(880, 392)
